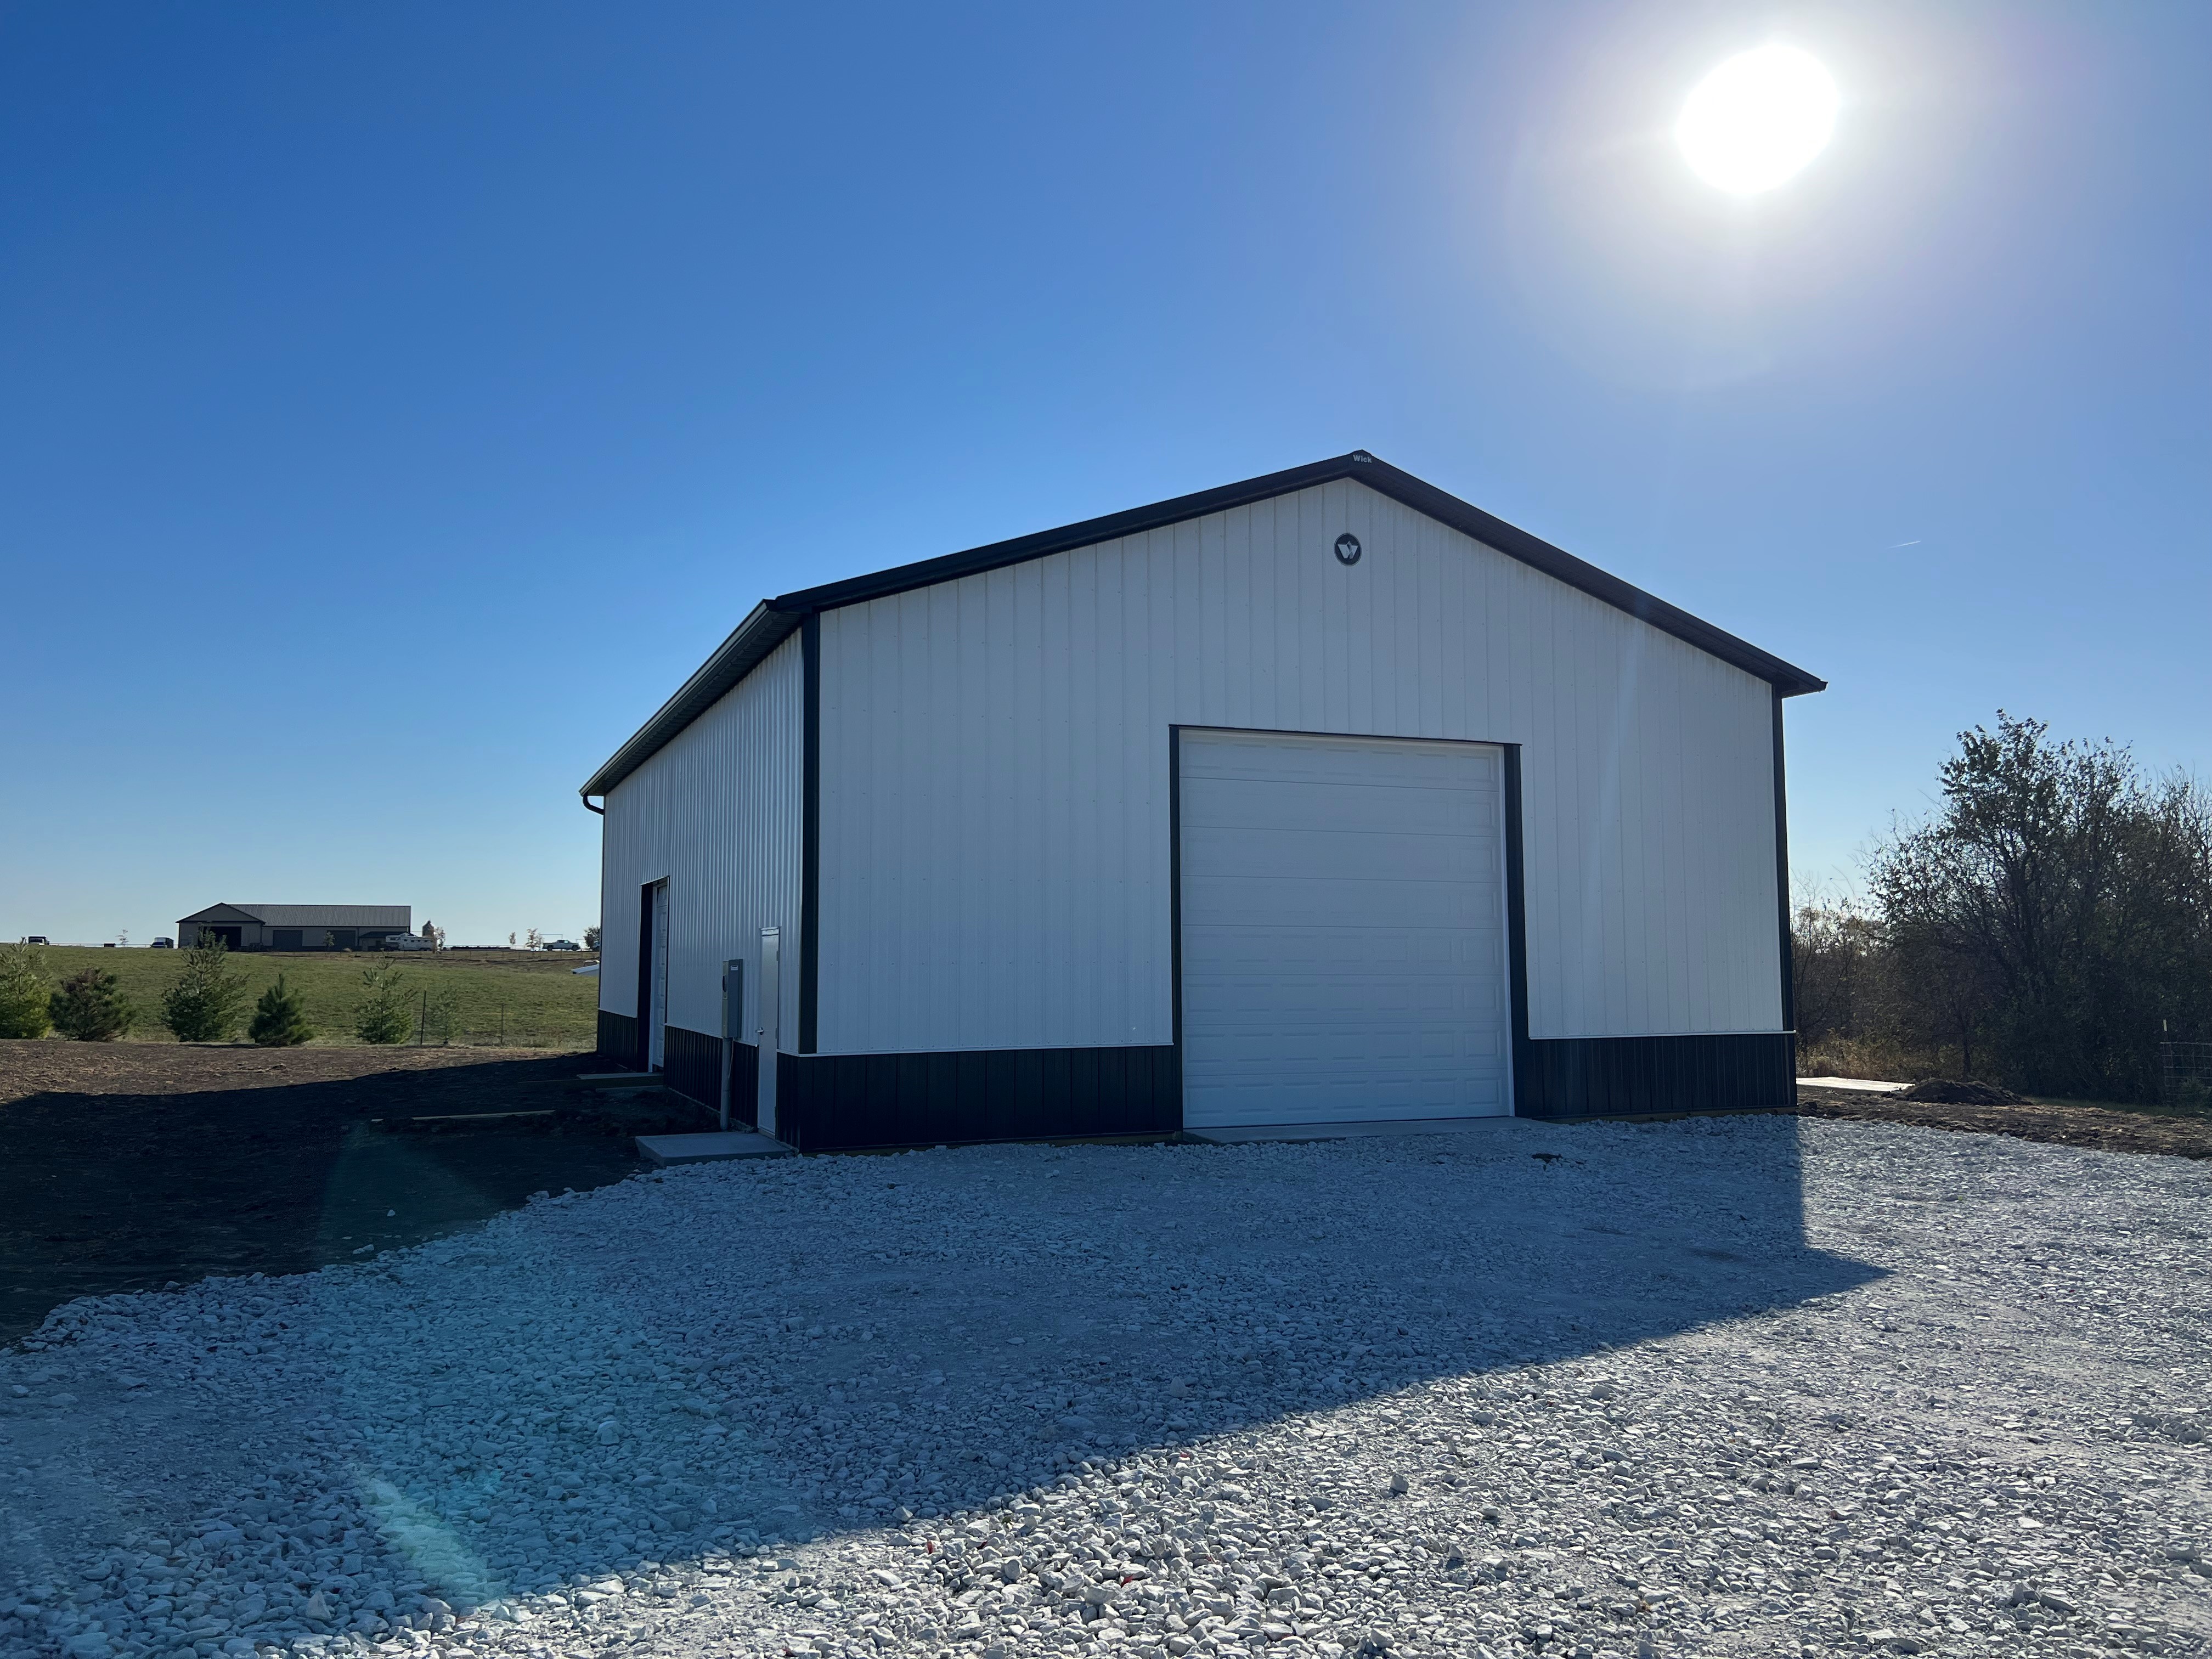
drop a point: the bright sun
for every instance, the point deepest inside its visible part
(1757, 118)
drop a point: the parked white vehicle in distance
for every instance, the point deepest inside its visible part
(561, 944)
(406, 942)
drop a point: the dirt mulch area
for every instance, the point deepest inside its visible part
(2106, 1128)
(128, 1166)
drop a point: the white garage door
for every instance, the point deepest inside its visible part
(1343, 930)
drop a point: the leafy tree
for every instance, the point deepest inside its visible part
(205, 1001)
(2056, 914)
(280, 1018)
(26, 996)
(533, 940)
(1835, 952)
(90, 1007)
(592, 938)
(383, 1016)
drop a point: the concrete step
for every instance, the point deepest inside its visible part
(709, 1146)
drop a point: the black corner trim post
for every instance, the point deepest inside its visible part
(1175, 909)
(645, 976)
(810, 831)
(1516, 940)
(1782, 880)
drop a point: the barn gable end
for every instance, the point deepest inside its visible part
(976, 766)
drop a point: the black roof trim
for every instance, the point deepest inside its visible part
(774, 622)
(1134, 521)
(767, 628)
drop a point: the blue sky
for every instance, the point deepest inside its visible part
(397, 401)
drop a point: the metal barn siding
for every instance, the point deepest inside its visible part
(994, 773)
(717, 814)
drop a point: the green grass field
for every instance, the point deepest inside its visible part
(517, 999)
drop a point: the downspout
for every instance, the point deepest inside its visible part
(588, 808)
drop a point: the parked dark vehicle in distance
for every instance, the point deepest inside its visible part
(38, 938)
(163, 943)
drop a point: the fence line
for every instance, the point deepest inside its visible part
(2185, 1075)
(439, 1024)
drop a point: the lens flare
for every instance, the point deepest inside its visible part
(1758, 118)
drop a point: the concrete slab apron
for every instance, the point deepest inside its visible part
(1247, 1134)
(709, 1146)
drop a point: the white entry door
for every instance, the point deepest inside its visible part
(657, 1017)
(1343, 930)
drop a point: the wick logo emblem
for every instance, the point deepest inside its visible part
(1347, 549)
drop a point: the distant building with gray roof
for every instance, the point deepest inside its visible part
(297, 926)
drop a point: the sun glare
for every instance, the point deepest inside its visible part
(1758, 118)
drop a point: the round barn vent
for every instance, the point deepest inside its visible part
(1347, 549)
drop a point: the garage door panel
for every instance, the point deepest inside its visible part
(1242, 804)
(1332, 954)
(1376, 998)
(1273, 758)
(1329, 854)
(1343, 930)
(1406, 907)
(1320, 1100)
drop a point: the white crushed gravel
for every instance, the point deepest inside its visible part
(1757, 1386)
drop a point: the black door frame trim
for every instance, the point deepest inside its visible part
(1175, 906)
(1516, 933)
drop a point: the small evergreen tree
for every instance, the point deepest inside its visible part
(25, 994)
(280, 1018)
(382, 1015)
(204, 1002)
(440, 1012)
(90, 1007)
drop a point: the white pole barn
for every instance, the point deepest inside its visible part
(1321, 798)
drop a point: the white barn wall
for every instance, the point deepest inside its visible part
(994, 773)
(718, 813)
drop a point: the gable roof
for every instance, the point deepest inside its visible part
(220, 913)
(774, 620)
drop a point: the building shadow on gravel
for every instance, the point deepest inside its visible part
(103, 1192)
(859, 1346)
(731, 1355)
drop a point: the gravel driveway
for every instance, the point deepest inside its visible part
(1757, 1386)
